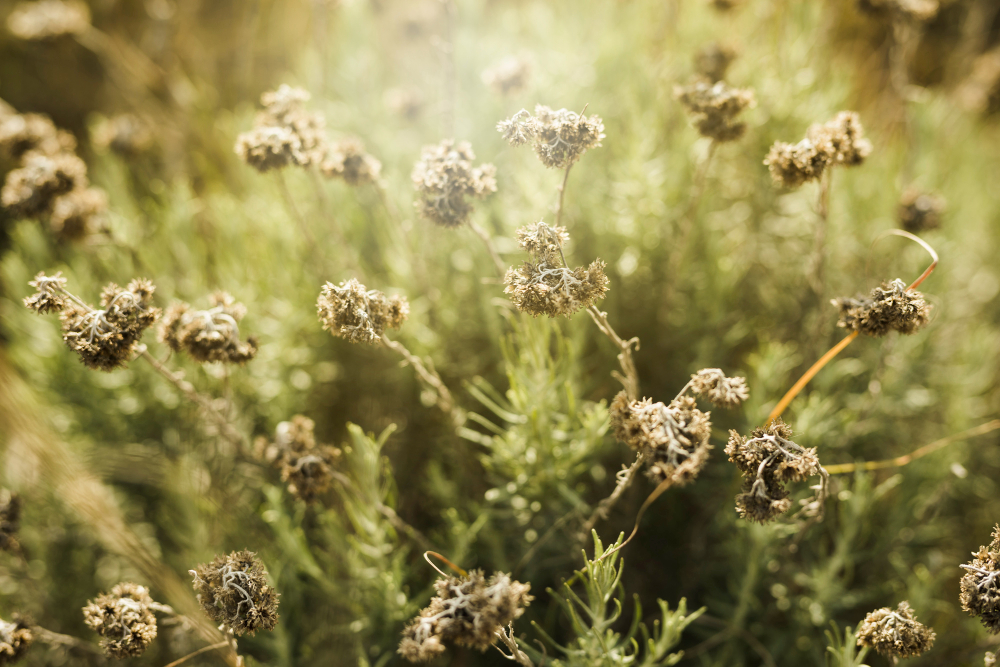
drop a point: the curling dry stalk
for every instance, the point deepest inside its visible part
(430, 378)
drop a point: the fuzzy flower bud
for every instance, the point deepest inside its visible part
(304, 464)
(715, 107)
(350, 311)
(468, 611)
(791, 165)
(981, 584)
(445, 179)
(10, 521)
(125, 620)
(31, 190)
(208, 335)
(348, 160)
(895, 634)
(560, 138)
(891, 307)
(15, 638)
(508, 77)
(233, 590)
(722, 391)
(47, 19)
(919, 211)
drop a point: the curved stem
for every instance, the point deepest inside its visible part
(457, 569)
(485, 236)
(604, 507)
(204, 649)
(629, 377)
(562, 195)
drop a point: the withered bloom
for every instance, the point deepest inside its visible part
(304, 464)
(47, 19)
(791, 165)
(233, 590)
(125, 134)
(31, 190)
(468, 611)
(348, 160)
(124, 619)
(208, 335)
(445, 180)
(891, 307)
(768, 460)
(542, 242)
(266, 148)
(15, 638)
(712, 60)
(75, 214)
(715, 107)
(560, 138)
(895, 634)
(10, 521)
(508, 77)
(990, 659)
(840, 141)
(50, 294)
(920, 211)
(21, 133)
(721, 390)
(284, 133)
(981, 584)
(350, 311)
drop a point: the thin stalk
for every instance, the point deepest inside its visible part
(488, 242)
(562, 196)
(307, 234)
(431, 379)
(57, 639)
(457, 569)
(816, 271)
(506, 635)
(629, 377)
(686, 222)
(204, 649)
(657, 492)
(625, 480)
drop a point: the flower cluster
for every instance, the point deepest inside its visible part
(347, 159)
(350, 311)
(124, 618)
(542, 242)
(47, 19)
(10, 521)
(508, 77)
(717, 387)
(895, 634)
(891, 307)
(560, 138)
(468, 611)
(920, 211)
(445, 180)
(104, 338)
(990, 659)
(981, 584)
(304, 464)
(125, 134)
(715, 107)
(15, 638)
(208, 335)
(768, 460)
(233, 591)
(713, 60)
(840, 141)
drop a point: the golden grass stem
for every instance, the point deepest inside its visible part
(457, 569)
(204, 649)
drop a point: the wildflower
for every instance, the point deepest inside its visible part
(350, 311)
(791, 165)
(542, 242)
(21, 133)
(891, 307)
(508, 77)
(545, 289)
(304, 464)
(722, 391)
(560, 138)
(46, 19)
(269, 147)
(50, 294)
(285, 107)
(10, 521)
(715, 107)
(768, 460)
(124, 618)
(75, 214)
(468, 611)
(348, 160)
(31, 190)
(895, 634)
(445, 178)
(15, 638)
(920, 212)
(233, 590)
(712, 60)
(981, 584)
(840, 141)
(125, 134)
(208, 335)
(672, 438)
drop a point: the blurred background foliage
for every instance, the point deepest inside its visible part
(724, 287)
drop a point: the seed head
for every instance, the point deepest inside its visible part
(350, 311)
(445, 179)
(468, 611)
(233, 590)
(990, 659)
(838, 142)
(560, 138)
(791, 165)
(542, 242)
(714, 107)
(348, 160)
(895, 633)
(981, 584)
(304, 464)
(722, 391)
(546, 289)
(890, 307)
(125, 134)
(712, 60)
(15, 638)
(49, 296)
(208, 335)
(508, 77)
(76, 214)
(270, 147)
(47, 19)
(124, 619)
(10, 521)
(21, 133)
(31, 190)
(919, 211)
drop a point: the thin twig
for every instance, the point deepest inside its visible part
(58, 639)
(629, 377)
(431, 379)
(485, 236)
(506, 635)
(204, 649)
(310, 238)
(816, 271)
(625, 480)
(562, 195)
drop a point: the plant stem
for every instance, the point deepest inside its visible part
(816, 269)
(562, 195)
(314, 248)
(431, 379)
(57, 639)
(397, 521)
(629, 377)
(204, 649)
(625, 479)
(485, 236)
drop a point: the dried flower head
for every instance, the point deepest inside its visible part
(722, 391)
(542, 242)
(31, 190)
(445, 179)
(233, 590)
(270, 147)
(10, 521)
(285, 107)
(895, 633)
(46, 19)
(208, 335)
(304, 464)
(791, 165)
(560, 138)
(891, 307)
(510, 76)
(15, 638)
(546, 289)
(919, 211)
(350, 311)
(348, 160)
(713, 60)
(840, 141)
(77, 213)
(981, 584)
(468, 611)
(21, 133)
(125, 134)
(124, 618)
(672, 438)
(715, 107)
(990, 659)
(768, 460)
(50, 294)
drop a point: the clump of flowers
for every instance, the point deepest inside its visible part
(468, 610)
(125, 134)
(208, 335)
(840, 141)
(445, 180)
(508, 77)
(21, 133)
(981, 584)
(47, 19)
(15, 638)
(305, 465)
(713, 60)
(233, 591)
(768, 460)
(10, 521)
(284, 133)
(31, 190)
(717, 387)
(347, 159)
(895, 634)
(920, 211)
(105, 337)
(545, 285)
(124, 619)
(560, 138)
(350, 311)
(715, 107)
(891, 307)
